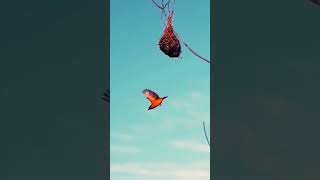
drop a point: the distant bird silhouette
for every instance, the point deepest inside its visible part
(153, 97)
(106, 96)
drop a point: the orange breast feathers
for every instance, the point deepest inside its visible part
(156, 103)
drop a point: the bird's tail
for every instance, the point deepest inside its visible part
(164, 97)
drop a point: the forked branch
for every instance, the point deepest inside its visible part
(163, 7)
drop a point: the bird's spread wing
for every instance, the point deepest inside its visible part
(150, 95)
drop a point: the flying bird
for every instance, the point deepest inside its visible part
(154, 99)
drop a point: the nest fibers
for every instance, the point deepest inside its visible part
(169, 43)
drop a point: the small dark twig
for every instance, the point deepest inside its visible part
(163, 7)
(168, 3)
(186, 45)
(192, 51)
(157, 5)
(174, 3)
(205, 132)
(106, 96)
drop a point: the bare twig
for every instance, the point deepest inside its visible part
(192, 51)
(163, 7)
(205, 132)
(157, 5)
(168, 3)
(174, 3)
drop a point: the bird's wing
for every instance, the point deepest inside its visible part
(150, 95)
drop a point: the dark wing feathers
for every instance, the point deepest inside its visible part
(150, 94)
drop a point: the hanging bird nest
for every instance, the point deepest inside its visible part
(169, 44)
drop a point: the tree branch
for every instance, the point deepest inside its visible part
(163, 7)
(157, 5)
(192, 51)
(205, 132)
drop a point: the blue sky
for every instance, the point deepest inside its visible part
(168, 142)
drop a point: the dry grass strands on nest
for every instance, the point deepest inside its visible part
(169, 44)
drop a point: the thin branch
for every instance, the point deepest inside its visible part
(157, 5)
(174, 3)
(205, 132)
(168, 3)
(164, 10)
(163, 7)
(192, 51)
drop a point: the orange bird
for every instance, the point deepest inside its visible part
(153, 98)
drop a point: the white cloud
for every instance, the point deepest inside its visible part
(191, 146)
(168, 171)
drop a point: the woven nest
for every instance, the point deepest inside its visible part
(169, 44)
